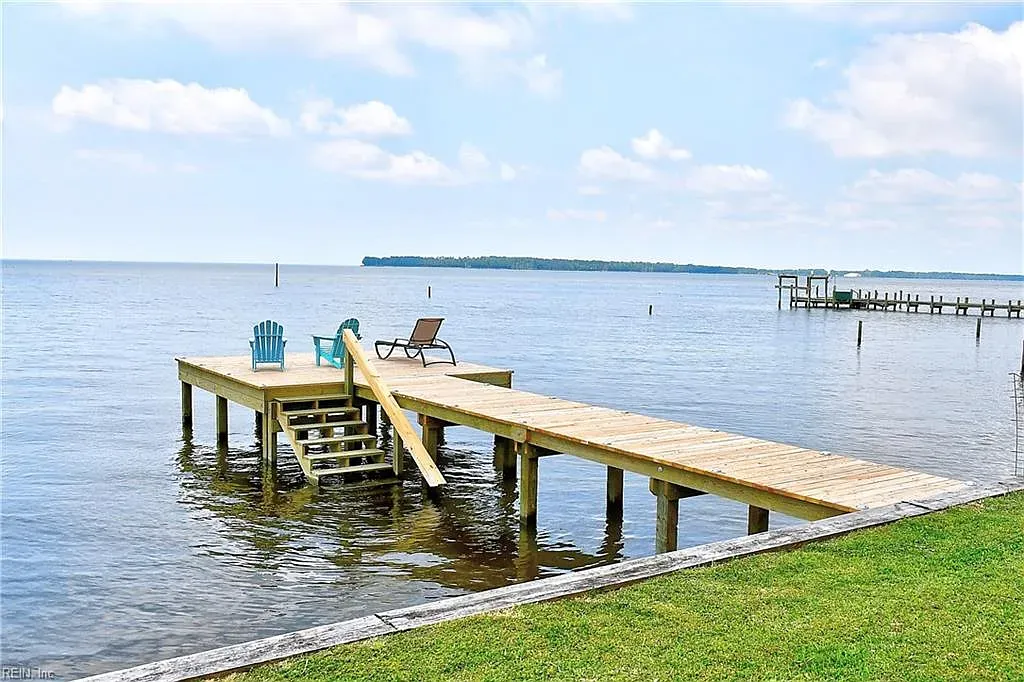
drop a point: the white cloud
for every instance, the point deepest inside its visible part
(472, 161)
(508, 173)
(368, 161)
(167, 106)
(130, 160)
(539, 76)
(654, 146)
(914, 185)
(590, 190)
(382, 36)
(823, 63)
(582, 215)
(606, 163)
(370, 119)
(958, 94)
(715, 179)
(898, 14)
(133, 161)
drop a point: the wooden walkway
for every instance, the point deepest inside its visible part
(680, 460)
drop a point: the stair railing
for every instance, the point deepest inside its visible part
(354, 355)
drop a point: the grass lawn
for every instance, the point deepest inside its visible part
(939, 597)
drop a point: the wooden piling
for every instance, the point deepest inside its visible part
(505, 457)
(613, 507)
(222, 421)
(529, 472)
(269, 439)
(277, 274)
(860, 331)
(650, 308)
(977, 328)
(757, 520)
(431, 430)
(186, 405)
(428, 291)
(370, 417)
(398, 452)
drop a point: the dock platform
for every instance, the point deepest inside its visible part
(681, 460)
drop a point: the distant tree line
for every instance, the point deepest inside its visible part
(571, 265)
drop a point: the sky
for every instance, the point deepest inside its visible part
(772, 135)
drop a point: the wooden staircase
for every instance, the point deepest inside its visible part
(329, 437)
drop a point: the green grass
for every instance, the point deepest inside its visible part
(934, 598)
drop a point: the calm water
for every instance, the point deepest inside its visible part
(123, 544)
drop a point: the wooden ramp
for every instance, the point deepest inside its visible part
(794, 480)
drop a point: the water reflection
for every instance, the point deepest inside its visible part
(466, 536)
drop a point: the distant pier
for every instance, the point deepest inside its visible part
(815, 292)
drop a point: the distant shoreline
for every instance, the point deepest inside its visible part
(574, 265)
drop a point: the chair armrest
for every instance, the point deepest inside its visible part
(322, 338)
(252, 345)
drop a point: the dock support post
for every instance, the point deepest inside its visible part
(222, 421)
(431, 434)
(398, 455)
(269, 438)
(186, 405)
(757, 520)
(528, 466)
(613, 508)
(977, 328)
(370, 417)
(505, 456)
(860, 331)
(667, 526)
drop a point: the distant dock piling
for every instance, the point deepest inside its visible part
(277, 274)
(860, 331)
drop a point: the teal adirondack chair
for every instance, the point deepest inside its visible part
(267, 344)
(335, 353)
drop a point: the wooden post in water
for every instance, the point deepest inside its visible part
(613, 508)
(277, 275)
(428, 291)
(757, 520)
(529, 472)
(860, 331)
(431, 429)
(505, 457)
(398, 454)
(650, 308)
(186, 405)
(222, 421)
(666, 529)
(269, 438)
(1022, 360)
(370, 417)
(977, 329)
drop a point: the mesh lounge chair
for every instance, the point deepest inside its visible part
(423, 337)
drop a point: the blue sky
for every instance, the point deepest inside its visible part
(843, 136)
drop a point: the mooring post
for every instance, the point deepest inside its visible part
(860, 331)
(186, 405)
(222, 421)
(613, 508)
(428, 291)
(529, 472)
(398, 452)
(757, 520)
(650, 309)
(977, 328)
(277, 274)
(431, 435)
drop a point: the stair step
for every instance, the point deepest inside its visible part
(372, 453)
(354, 438)
(311, 398)
(354, 469)
(317, 411)
(326, 425)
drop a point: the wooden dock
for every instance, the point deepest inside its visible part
(815, 293)
(327, 415)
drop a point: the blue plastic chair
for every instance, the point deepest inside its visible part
(267, 344)
(335, 355)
